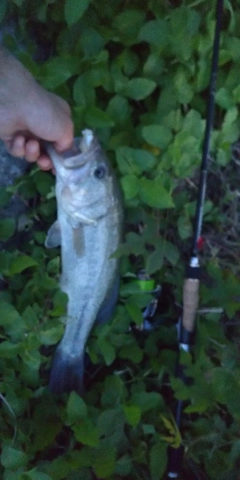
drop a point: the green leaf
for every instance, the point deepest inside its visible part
(184, 227)
(21, 263)
(74, 10)
(4, 197)
(13, 459)
(131, 352)
(96, 118)
(104, 461)
(127, 24)
(83, 91)
(51, 336)
(35, 474)
(158, 460)
(43, 181)
(8, 350)
(118, 109)
(107, 350)
(76, 408)
(7, 228)
(3, 10)
(155, 259)
(86, 433)
(123, 466)
(129, 185)
(132, 414)
(135, 160)
(224, 98)
(135, 313)
(157, 135)
(152, 193)
(57, 70)
(138, 88)
(147, 400)
(154, 32)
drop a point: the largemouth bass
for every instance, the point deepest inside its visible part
(88, 228)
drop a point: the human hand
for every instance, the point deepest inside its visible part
(29, 114)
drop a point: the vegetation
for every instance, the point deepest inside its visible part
(136, 72)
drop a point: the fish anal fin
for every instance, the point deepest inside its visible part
(53, 238)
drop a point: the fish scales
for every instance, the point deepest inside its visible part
(89, 228)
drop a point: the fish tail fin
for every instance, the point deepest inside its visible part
(66, 374)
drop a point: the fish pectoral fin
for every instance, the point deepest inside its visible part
(53, 238)
(82, 220)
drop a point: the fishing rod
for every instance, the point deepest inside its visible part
(192, 278)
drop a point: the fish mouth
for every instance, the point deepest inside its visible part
(82, 151)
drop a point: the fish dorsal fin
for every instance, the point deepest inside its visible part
(53, 238)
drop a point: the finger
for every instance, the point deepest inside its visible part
(32, 150)
(44, 162)
(66, 139)
(17, 146)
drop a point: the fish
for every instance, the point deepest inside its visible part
(88, 230)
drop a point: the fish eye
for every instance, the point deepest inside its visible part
(100, 171)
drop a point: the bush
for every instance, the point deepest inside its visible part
(137, 73)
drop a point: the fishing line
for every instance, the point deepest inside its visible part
(191, 282)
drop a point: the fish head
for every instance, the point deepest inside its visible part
(85, 180)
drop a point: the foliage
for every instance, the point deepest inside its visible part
(137, 73)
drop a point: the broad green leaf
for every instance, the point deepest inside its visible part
(147, 400)
(107, 350)
(152, 193)
(119, 109)
(51, 336)
(43, 181)
(104, 461)
(139, 88)
(7, 228)
(224, 98)
(155, 259)
(135, 160)
(86, 433)
(83, 90)
(158, 460)
(21, 263)
(96, 118)
(76, 408)
(135, 313)
(12, 458)
(154, 32)
(130, 186)
(8, 350)
(13, 324)
(123, 466)
(183, 87)
(132, 414)
(4, 197)
(35, 474)
(127, 24)
(184, 227)
(57, 70)
(157, 135)
(3, 10)
(113, 390)
(91, 41)
(74, 10)
(131, 352)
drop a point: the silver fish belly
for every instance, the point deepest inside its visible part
(88, 228)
